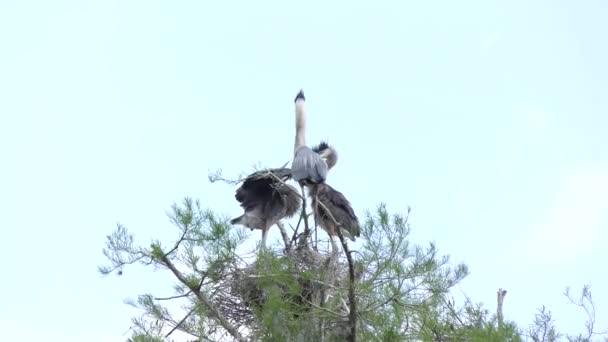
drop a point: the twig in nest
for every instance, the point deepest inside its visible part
(295, 231)
(283, 183)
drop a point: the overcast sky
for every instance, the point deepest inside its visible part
(488, 119)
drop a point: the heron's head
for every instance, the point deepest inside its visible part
(327, 152)
(300, 96)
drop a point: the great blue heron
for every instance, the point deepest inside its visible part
(324, 198)
(307, 167)
(266, 200)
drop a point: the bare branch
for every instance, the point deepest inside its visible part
(173, 297)
(500, 297)
(181, 322)
(213, 311)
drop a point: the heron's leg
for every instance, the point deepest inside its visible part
(304, 204)
(264, 235)
(334, 246)
(314, 216)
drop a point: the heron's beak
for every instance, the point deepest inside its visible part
(325, 154)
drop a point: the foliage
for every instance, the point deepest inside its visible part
(298, 293)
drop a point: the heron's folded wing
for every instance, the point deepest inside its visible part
(340, 201)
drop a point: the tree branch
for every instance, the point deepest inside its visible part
(500, 297)
(173, 297)
(352, 300)
(181, 322)
(213, 311)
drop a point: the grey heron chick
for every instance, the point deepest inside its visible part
(266, 200)
(341, 210)
(307, 166)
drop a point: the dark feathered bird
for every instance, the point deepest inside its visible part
(265, 200)
(340, 209)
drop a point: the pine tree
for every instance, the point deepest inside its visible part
(298, 292)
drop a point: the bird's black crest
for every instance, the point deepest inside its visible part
(300, 96)
(321, 147)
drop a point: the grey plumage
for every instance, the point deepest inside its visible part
(265, 200)
(307, 166)
(339, 207)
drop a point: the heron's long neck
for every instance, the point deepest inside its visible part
(300, 124)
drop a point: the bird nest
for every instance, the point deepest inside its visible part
(308, 284)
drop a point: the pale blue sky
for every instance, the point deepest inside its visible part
(488, 119)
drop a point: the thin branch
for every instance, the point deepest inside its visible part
(295, 235)
(174, 297)
(324, 309)
(500, 297)
(268, 173)
(373, 307)
(352, 319)
(186, 231)
(181, 322)
(213, 311)
(120, 264)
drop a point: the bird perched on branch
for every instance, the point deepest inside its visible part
(332, 211)
(266, 199)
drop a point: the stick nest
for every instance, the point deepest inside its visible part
(309, 286)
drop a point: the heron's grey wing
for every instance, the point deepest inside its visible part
(298, 167)
(308, 165)
(320, 167)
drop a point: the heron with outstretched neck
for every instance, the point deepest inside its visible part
(332, 211)
(307, 166)
(266, 197)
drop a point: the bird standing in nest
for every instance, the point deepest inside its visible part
(266, 199)
(307, 166)
(332, 211)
